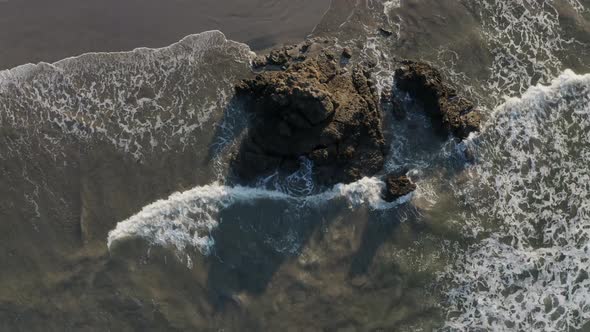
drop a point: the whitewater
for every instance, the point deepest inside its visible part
(528, 204)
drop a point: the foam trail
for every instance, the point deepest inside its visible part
(389, 5)
(186, 219)
(530, 207)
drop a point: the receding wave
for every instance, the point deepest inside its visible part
(146, 100)
(526, 38)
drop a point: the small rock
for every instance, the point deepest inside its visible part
(305, 47)
(385, 32)
(397, 186)
(278, 57)
(347, 53)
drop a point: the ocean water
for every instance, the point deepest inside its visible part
(117, 212)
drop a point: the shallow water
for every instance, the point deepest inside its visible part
(494, 242)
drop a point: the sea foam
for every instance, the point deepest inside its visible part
(528, 204)
(525, 38)
(185, 220)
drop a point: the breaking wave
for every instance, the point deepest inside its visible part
(528, 204)
(185, 220)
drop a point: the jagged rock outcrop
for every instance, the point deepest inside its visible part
(314, 109)
(447, 109)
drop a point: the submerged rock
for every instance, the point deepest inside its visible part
(317, 110)
(346, 53)
(451, 111)
(397, 186)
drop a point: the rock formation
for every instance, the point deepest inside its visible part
(314, 108)
(396, 186)
(447, 109)
(309, 102)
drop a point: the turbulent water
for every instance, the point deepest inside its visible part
(527, 200)
(495, 238)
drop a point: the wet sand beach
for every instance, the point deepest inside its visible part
(37, 30)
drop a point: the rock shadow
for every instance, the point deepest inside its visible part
(254, 241)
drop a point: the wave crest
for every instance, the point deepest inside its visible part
(186, 219)
(530, 206)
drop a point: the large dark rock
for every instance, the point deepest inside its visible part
(313, 109)
(451, 111)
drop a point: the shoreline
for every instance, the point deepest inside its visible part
(32, 31)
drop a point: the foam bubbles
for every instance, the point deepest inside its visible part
(185, 220)
(525, 38)
(528, 203)
(141, 103)
(146, 100)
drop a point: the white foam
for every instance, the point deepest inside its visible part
(529, 207)
(525, 37)
(186, 219)
(142, 101)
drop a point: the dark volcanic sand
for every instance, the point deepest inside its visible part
(40, 30)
